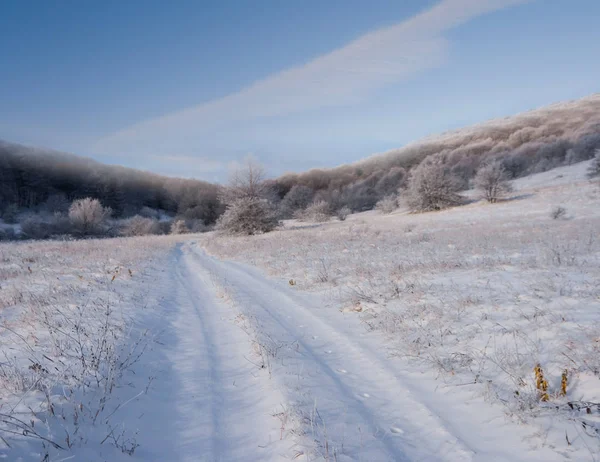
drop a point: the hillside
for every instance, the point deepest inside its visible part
(535, 141)
(42, 179)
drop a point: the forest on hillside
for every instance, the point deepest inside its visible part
(48, 181)
(39, 187)
(528, 143)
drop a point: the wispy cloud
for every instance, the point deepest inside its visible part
(344, 76)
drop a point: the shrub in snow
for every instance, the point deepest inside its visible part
(88, 216)
(179, 227)
(342, 213)
(432, 186)
(558, 212)
(140, 226)
(387, 205)
(319, 212)
(492, 181)
(44, 227)
(594, 168)
(247, 216)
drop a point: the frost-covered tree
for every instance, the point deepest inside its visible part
(247, 181)
(248, 209)
(88, 215)
(432, 186)
(492, 181)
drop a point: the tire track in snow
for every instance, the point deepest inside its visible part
(368, 412)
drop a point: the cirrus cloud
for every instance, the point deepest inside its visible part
(345, 76)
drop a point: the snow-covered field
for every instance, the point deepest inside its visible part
(465, 303)
(69, 346)
(381, 338)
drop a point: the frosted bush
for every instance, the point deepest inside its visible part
(88, 216)
(248, 216)
(432, 186)
(343, 213)
(387, 204)
(319, 212)
(44, 227)
(140, 226)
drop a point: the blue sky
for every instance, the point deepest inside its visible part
(189, 87)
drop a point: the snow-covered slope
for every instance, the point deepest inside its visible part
(470, 334)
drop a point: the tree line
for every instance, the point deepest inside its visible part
(524, 144)
(49, 181)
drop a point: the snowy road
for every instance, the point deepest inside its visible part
(323, 390)
(208, 401)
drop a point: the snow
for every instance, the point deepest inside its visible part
(368, 408)
(384, 337)
(470, 300)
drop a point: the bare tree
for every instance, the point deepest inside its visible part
(432, 186)
(246, 181)
(88, 215)
(492, 180)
